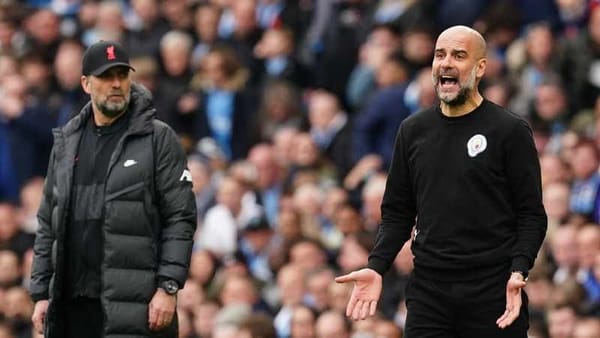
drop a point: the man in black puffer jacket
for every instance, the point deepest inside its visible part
(117, 217)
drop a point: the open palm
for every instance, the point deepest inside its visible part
(365, 294)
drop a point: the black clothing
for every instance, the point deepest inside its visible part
(466, 309)
(83, 318)
(84, 228)
(147, 226)
(474, 183)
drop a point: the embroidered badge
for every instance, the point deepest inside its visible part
(476, 145)
(110, 53)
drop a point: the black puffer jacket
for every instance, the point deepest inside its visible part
(150, 219)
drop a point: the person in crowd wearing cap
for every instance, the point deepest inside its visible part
(466, 174)
(118, 214)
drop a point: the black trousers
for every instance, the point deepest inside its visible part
(84, 318)
(460, 309)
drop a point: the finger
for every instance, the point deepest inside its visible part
(502, 317)
(373, 308)
(152, 314)
(364, 310)
(513, 316)
(356, 310)
(508, 320)
(344, 278)
(351, 305)
(509, 317)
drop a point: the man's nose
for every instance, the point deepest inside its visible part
(115, 81)
(446, 62)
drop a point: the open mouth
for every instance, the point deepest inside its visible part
(447, 82)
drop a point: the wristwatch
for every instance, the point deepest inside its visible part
(170, 286)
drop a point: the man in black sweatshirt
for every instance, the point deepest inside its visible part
(466, 175)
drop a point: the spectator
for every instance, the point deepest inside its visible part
(534, 66)
(588, 247)
(12, 237)
(246, 34)
(269, 181)
(42, 29)
(561, 321)
(25, 137)
(178, 14)
(221, 107)
(203, 268)
(586, 179)
(376, 126)
(280, 108)
(10, 269)
(68, 97)
(291, 287)
(203, 184)
(383, 40)
(175, 49)
(309, 164)
(205, 317)
(18, 311)
(556, 202)
(255, 244)
(331, 130)
(387, 329)
(143, 37)
(332, 324)
(564, 251)
(31, 196)
(109, 24)
(275, 49)
(303, 322)
(206, 25)
(577, 67)
(317, 284)
(586, 327)
(222, 222)
(257, 325)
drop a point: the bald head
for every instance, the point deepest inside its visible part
(458, 65)
(474, 38)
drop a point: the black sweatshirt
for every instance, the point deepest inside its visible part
(84, 230)
(472, 183)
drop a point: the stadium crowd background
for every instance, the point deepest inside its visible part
(288, 110)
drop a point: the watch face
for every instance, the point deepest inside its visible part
(171, 287)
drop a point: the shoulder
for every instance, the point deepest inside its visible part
(504, 117)
(162, 130)
(421, 117)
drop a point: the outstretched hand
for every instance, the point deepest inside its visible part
(365, 294)
(513, 300)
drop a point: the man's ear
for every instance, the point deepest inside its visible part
(85, 83)
(481, 65)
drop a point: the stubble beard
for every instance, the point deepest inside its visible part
(113, 109)
(463, 93)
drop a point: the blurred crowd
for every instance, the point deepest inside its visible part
(288, 110)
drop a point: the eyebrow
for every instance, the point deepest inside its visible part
(453, 51)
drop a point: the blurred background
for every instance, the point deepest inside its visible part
(288, 110)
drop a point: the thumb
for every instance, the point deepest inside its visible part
(345, 278)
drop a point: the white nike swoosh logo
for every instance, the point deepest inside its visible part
(129, 163)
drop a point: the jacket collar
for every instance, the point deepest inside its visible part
(140, 107)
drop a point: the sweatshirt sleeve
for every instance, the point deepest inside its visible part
(397, 210)
(523, 172)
